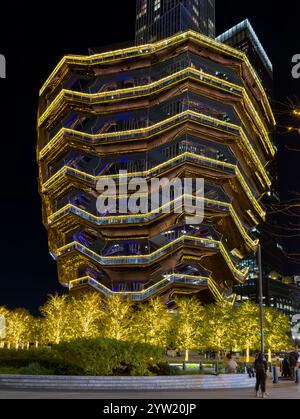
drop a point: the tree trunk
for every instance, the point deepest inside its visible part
(247, 354)
(270, 356)
(186, 355)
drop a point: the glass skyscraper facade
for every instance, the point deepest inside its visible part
(243, 37)
(159, 19)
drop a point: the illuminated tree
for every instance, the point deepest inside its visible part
(246, 327)
(84, 316)
(116, 321)
(18, 328)
(3, 316)
(277, 329)
(151, 323)
(187, 324)
(36, 331)
(218, 327)
(55, 322)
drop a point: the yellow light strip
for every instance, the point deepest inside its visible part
(215, 291)
(97, 219)
(149, 49)
(143, 131)
(211, 285)
(219, 244)
(238, 129)
(94, 179)
(74, 282)
(144, 174)
(256, 158)
(97, 98)
(261, 124)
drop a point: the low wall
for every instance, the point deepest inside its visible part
(200, 382)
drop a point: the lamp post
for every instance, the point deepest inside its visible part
(261, 305)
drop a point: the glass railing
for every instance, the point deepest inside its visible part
(156, 171)
(220, 293)
(145, 165)
(146, 293)
(204, 159)
(146, 218)
(134, 218)
(90, 99)
(169, 280)
(132, 52)
(146, 132)
(156, 72)
(142, 132)
(208, 244)
(72, 96)
(180, 118)
(150, 49)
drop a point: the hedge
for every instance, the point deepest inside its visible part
(88, 357)
(110, 357)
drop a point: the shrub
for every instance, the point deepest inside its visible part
(109, 357)
(46, 358)
(164, 368)
(9, 370)
(86, 357)
(36, 369)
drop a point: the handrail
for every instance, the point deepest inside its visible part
(151, 257)
(145, 218)
(161, 126)
(151, 88)
(66, 170)
(155, 47)
(145, 293)
(150, 173)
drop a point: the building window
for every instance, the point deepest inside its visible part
(143, 9)
(156, 5)
(196, 11)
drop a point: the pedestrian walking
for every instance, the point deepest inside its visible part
(261, 368)
(286, 369)
(293, 365)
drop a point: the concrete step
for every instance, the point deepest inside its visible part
(131, 379)
(128, 383)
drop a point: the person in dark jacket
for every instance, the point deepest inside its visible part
(293, 365)
(261, 368)
(286, 368)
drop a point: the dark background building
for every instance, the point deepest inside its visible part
(279, 291)
(158, 19)
(243, 37)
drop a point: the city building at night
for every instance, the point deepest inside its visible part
(186, 106)
(282, 293)
(159, 19)
(243, 37)
(277, 291)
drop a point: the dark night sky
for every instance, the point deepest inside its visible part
(33, 41)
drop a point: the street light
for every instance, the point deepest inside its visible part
(261, 305)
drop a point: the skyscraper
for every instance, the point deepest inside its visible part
(278, 291)
(159, 19)
(243, 37)
(183, 107)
